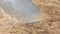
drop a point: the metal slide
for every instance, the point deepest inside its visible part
(23, 10)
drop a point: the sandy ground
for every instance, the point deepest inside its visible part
(49, 25)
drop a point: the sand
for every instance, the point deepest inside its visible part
(50, 23)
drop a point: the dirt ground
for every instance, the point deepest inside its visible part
(50, 23)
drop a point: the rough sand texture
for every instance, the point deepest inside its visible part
(50, 24)
(50, 7)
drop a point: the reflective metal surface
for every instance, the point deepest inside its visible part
(23, 10)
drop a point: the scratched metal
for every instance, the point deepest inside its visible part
(21, 9)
